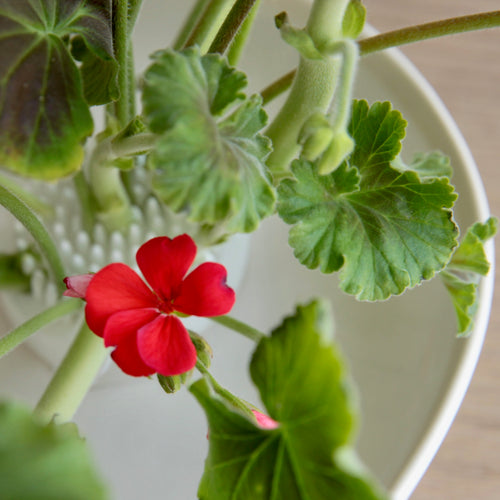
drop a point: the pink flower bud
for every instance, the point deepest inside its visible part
(77, 285)
(264, 421)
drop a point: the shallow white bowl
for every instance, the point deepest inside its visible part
(411, 371)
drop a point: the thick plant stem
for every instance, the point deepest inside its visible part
(21, 333)
(400, 37)
(324, 24)
(72, 379)
(30, 221)
(209, 23)
(239, 326)
(113, 203)
(313, 87)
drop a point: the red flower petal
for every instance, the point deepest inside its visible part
(77, 285)
(125, 323)
(127, 357)
(115, 288)
(164, 344)
(204, 292)
(164, 262)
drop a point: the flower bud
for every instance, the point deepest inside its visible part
(341, 146)
(173, 383)
(203, 349)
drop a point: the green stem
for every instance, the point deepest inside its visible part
(134, 7)
(231, 25)
(73, 378)
(21, 333)
(190, 23)
(107, 186)
(30, 221)
(324, 24)
(313, 87)
(26, 197)
(208, 24)
(400, 37)
(85, 197)
(343, 96)
(426, 31)
(278, 87)
(224, 393)
(240, 327)
(236, 48)
(111, 196)
(113, 204)
(131, 83)
(121, 48)
(112, 148)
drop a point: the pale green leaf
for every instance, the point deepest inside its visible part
(385, 230)
(461, 276)
(427, 165)
(310, 455)
(209, 159)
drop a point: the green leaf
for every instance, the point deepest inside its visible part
(43, 462)
(426, 165)
(304, 387)
(298, 38)
(384, 229)
(209, 159)
(461, 276)
(44, 115)
(354, 19)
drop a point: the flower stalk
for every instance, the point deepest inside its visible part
(224, 393)
(18, 335)
(240, 327)
(72, 379)
(30, 221)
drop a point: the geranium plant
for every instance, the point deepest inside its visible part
(182, 158)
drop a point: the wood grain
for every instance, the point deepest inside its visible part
(465, 71)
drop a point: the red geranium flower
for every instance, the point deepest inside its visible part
(141, 321)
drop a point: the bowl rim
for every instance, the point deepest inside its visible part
(420, 459)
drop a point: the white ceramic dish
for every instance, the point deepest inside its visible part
(411, 371)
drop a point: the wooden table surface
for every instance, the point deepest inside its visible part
(467, 466)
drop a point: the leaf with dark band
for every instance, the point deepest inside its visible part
(44, 113)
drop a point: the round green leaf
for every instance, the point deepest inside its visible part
(209, 159)
(384, 229)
